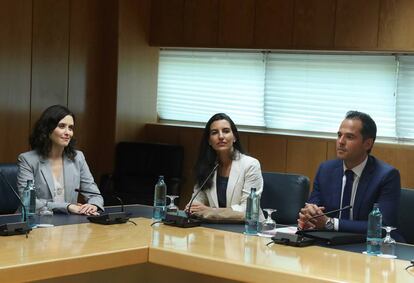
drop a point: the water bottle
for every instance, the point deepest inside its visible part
(252, 213)
(374, 239)
(160, 201)
(29, 201)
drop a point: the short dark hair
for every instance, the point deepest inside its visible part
(369, 128)
(207, 156)
(39, 139)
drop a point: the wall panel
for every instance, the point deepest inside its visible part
(396, 27)
(273, 25)
(87, 67)
(304, 155)
(167, 22)
(236, 23)
(314, 24)
(270, 150)
(50, 55)
(201, 23)
(15, 61)
(357, 24)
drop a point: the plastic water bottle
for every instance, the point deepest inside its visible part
(374, 239)
(160, 201)
(29, 201)
(252, 213)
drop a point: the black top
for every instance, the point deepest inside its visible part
(221, 190)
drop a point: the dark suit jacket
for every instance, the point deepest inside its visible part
(379, 183)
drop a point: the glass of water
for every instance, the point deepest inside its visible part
(45, 215)
(388, 244)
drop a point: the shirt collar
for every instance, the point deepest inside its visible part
(359, 168)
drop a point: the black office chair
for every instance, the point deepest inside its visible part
(285, 192)
(8, 201)
(405, 219)
(137, 167)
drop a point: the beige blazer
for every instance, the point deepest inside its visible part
(245, 173)
(76, 175)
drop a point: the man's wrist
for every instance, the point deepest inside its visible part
(329, 224)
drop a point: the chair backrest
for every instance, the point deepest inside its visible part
(8, 201)
(405, 219)
(138, 165)
(285, 192)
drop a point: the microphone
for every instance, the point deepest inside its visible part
(17, 228)
(110, 217)
(185, 221)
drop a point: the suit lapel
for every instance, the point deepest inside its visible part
(233, 179)
(363, 187)
(47, 175)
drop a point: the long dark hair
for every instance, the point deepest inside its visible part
(207, 156)
(39, 139)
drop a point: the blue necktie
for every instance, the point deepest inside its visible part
(346, 198)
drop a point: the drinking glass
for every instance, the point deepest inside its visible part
(172, 208)
(268, 226)
(45, 216)
(388, 244)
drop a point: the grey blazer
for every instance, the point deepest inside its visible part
(76, 175)
(245, 173)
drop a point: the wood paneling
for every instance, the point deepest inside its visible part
(331, 151)
(304, 156)
(59, 52)
(190, 140)
(137, 72)
(50, 55)
(314, 24)
(15, 52)
(167, 22)
(162, 134)
(87, 68)
(274, 21)
(201, 23)
(401, 157)
(357, 24)
(270, 150)
(236, 23)
(396, 27)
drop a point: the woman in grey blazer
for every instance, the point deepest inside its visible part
(56, 168)
(226, 191)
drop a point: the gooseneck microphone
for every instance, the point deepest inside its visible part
(17, 228)
(185, 221)
(202, 186)
(110, 217)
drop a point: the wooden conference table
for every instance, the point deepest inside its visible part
(127, 253)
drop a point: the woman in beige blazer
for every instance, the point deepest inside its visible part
(56, 168)
(225, 192)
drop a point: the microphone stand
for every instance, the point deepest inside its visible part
(110, 217)
(186, 221)
(17, 228)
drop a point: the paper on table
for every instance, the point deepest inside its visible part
(271, 233)
(289, 229)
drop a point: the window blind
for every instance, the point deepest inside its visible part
(405, 97)
(194, 85)
(309, 92)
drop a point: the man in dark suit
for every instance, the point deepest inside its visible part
(355, 178)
